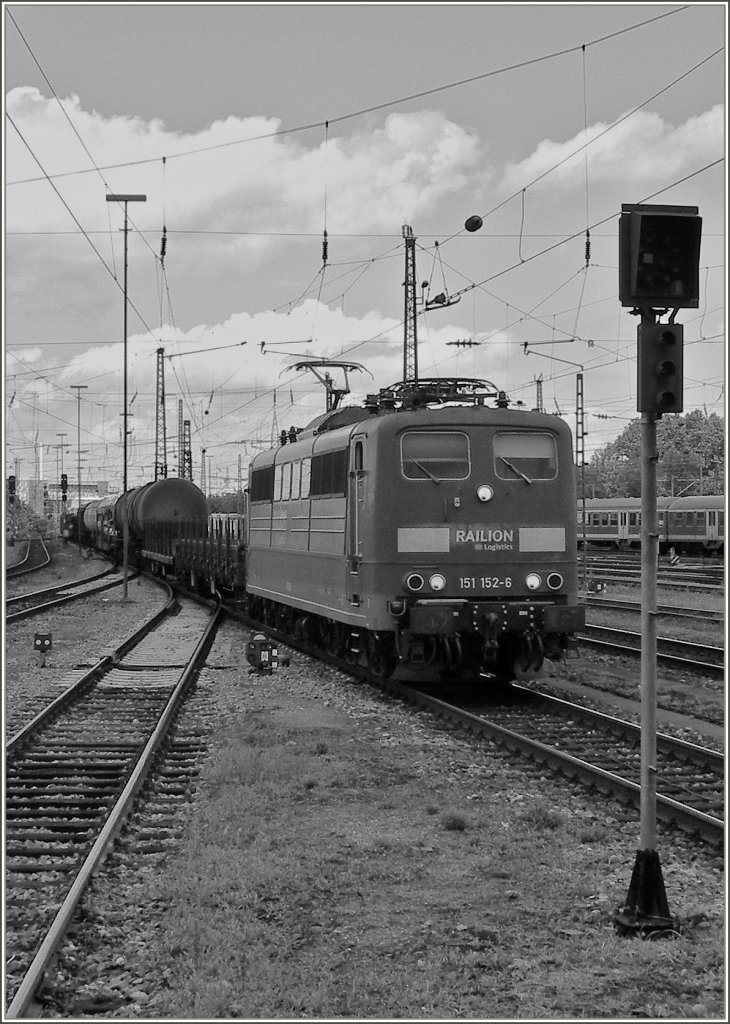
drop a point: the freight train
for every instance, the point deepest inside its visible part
(691, 525)
(101, 521)
(425, 529)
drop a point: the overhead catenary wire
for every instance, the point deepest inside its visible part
(366, 266)
(519, 65)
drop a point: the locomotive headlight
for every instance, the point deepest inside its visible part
(485, 492)
(437, 581)
(414, 581)
(555, 581)
(532, 581)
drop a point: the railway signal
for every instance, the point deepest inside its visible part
(660, 360)
(64, 486)
(659, 256)
(42, 644)
(659, 270)
(11, 489)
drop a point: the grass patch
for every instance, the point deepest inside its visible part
(355, 885)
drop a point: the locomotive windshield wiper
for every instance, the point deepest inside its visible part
(426, 471)
(515, 469)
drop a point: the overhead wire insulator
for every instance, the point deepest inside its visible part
(324, 246)
(588, 247)
(163, 244)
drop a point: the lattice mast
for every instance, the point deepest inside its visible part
(180, 441)
(187, 472)
(540, 405)
(160, 423)
(410, 341)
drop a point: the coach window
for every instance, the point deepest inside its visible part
(632, 518)
(286, 481)
(296, 478)
(533, 456)
(277, 483)
(604, 518)
(306, 476)
(435, 455)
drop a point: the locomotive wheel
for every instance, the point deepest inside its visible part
(381, 656)
(331, 637)
(283, 618)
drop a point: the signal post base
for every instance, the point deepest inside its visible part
(646, 911)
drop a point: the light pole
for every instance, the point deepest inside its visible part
(125, 516)
(79, 388)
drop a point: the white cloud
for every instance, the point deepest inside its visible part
(278, 183)
(642, 149)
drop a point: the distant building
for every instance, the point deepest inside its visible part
(45, 498)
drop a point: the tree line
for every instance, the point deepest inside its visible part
(691, 452)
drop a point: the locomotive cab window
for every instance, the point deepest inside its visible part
(532, 456)
(262, 484)
(435, 455)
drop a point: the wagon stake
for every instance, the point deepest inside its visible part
(646, 911)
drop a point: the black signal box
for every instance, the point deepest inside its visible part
(659, 256)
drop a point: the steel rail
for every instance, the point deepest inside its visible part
(617, 604)
(34, 976)
(86, 681)
(17, 570)
(17, 598)
(631, 645)
(668, 809)
(36, 609)
(669, 744)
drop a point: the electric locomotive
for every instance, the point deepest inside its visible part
(425, 530)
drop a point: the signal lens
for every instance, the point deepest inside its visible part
(532, 581)
(437, 581)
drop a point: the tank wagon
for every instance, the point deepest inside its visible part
(171, 501)
(424, 530)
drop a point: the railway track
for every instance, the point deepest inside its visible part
(689, 578)
(598, 750)
(24, 605)
(664, 610)
(74, 772)
(682, 654)
(36, 557)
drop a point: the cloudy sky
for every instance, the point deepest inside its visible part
(253, 128)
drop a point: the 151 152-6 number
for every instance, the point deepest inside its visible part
(483, 582)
